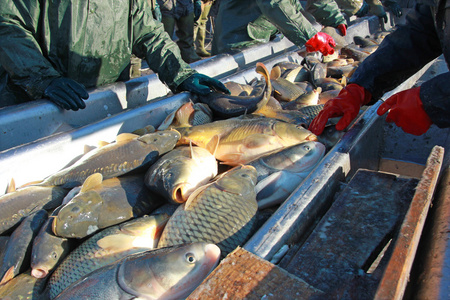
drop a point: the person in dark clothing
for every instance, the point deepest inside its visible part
(245, 23)
(57, 49)
(402, 53)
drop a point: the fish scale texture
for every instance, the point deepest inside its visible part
(214, 216)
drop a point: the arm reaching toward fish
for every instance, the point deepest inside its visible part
(202, 84)
(346, 104)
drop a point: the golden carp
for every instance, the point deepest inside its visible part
(181, 171)
(24, 287)
(221, 212)
(17, 255)
(167, 273)
(279, 173)
(100, 204)
(309, 98)
(20, 203)
(284, 90)
(129, 152)
(105, 247)
(48, 249)
(189, 114)
(239, 140)
(238, 89)
(226, 106)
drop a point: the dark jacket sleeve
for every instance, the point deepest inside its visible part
(155, 45)
(20, 53)
(326, 12)
(403, 53)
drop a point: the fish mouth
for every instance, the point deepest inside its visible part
(39, 273)
(179, 193)
(212, 252)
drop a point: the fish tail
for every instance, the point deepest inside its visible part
(8, 275)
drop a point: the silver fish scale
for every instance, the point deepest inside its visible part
(214, 216)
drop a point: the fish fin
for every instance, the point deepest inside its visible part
(91, 182)
(144, 130)
(275, 73)
(31, 183)
(184, 113)
(192, 151)
(318, 90)
(344, 81)
(231, 159)
(122, 242)
(155, 223)
(213, 144)
(124, 137)
(11, 187)
(9, 274)
(102, 144)
(88, 148)
(167, 121)
(256, 140)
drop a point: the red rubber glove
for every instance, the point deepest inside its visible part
(321, 42)
(346, 104)
(406, 111)
(343, 29)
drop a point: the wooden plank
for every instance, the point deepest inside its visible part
(350, 235)
(243, 275)
(396, 274)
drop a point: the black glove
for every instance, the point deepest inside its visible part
(197, 9)
(66, 93)
(202, 85)
(395, 8)
(363, 10)
(157, 12)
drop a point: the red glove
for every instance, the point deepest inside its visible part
(406, 110)
(321, 42)
(343, 29)
(346, 104)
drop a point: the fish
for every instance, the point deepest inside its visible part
(279, 173)
(144, 130)
(17, 255)
(189, 114)
(284, 90)
(350, 51)
(338, 72)
(103, 203)
(364, 42)
(181, 171)
(48, 250)
(221, 212)
(297, 74)
(19, 203)
(328, 83)
(129, 152)
(236, 141)
(238, 89)
(24, 287)
(167, 273)
(227, 106)
(105, 247)
(309, 98)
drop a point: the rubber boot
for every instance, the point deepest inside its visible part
(185, 34)
(200, 31)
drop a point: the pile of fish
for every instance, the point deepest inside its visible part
(150, 214)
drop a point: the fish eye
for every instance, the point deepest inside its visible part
(307, 148)
(155, 139)
(75, 209)
(190, 258)
(244, 175)
(54, 255)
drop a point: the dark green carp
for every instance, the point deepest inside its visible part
(105, 247)
(17, 255)
(221, 212)
(129, 152)
(103, 203)
(167, 273)
(20, 203)
(227, 106)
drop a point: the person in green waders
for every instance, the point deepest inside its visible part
(244, 23)
(56, 50)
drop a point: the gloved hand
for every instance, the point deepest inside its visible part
(66, 93)
(364, 9)
(197, 9)
(202, 85)
(157, 12)
(384, 17)
(346, 104)
(406, 111)
(343, 29)
(394, 7)
(321, 42)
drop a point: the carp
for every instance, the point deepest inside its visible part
(102, 203)
(129, 152)
(227, 106)
(105, 247)
(236, 141)
(181, 171)
(221, 212)
(167, 273)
